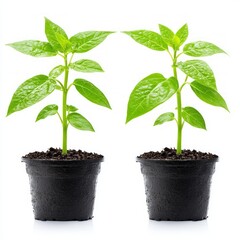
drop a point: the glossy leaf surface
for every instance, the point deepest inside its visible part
(201, 49)
(91, 92)
(79, 122)
(199, 71)
(165, 117)
(56, 35)
(86, 65)
(47, 111)
(149, 39)
(30, 92)
(149, 93)
(85, 41)
(193, 117)
(208, 95)
(34, 48)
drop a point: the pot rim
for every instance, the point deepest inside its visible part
(179, 162)
(61, 162)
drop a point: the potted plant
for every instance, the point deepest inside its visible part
(62, 181)
(177, 181)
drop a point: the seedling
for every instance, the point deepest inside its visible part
(155, 89)
(38, 87)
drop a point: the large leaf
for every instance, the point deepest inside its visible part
(57, 71)
(182, 34)
(34, 48)
(86, 65)
(79, 122)
(30, 92)
(199, 71)
(149, 93)
(56, 35)
(49, 110)
(193, 117)
(149, 39)
(201, 49)
(165, 117)
(85, 41)
(91, 92)
(167, 35)
(208, 95)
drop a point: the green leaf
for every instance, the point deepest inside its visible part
(49, 110)
(30, 92)
(167, 35)
(64, 42)
(149, 39)
(79, 122)
(86, 65)
(165, 117)
(55, 35)
(201, 49)
(34, 48)
(91, 92)
(149, 93)
(71, 108)
(193, 117)
(199, 71)
(182, 34)
(208, 95)
(85, 41)
(56, 72)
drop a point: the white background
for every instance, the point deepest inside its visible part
(120, 209)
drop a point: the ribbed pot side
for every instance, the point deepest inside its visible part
(63, 190)
(177, 190)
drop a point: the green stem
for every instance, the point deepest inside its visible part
(179, 107)
(64, 107)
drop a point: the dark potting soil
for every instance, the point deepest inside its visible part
(170, 154)
(56, 154)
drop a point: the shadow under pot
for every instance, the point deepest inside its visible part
(177, 190)
(63, 190)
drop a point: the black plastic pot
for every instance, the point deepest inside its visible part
(63, 190)
(177, 190)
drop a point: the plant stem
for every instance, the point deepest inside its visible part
(179, 107)
(64, 107)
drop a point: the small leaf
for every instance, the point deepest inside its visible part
(149, 39)
(91, 92)
(56, 72)
(208, 95)
(86, 65)
(64, 42)
(201, 49)
(30, 92)
(85, 41)
(55, 35)
(165, 117)
(34, 48)
(199, 71)
(193, 117)
(149, 93)
(182, 34)
(71, 108)
(49, 110)
(167, 35)
(79, 122)
(58, 87)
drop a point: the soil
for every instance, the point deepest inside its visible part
(170, 154)
(56, 154)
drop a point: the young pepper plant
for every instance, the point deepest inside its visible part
(155, 89)
(38, 87)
